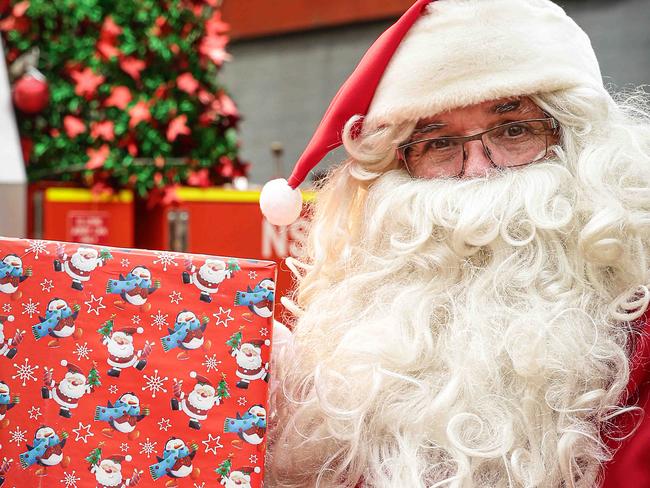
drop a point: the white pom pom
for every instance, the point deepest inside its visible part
(280, 203)
(128, 458)
(192, 374)
(10, 318)
(257, 469)
(139, 330)
(64, 363)
(267, 342)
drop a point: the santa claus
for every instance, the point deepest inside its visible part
(207, 278)
(79, 265)
(472, 299)
(108, 473)
(198, 402)
(67, 392)
(122, 353)
(8, 347)
(240, 477)
(249, 362)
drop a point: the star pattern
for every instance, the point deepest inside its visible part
(83, 432)
(223, 316)
(217, 444)
(94, 304)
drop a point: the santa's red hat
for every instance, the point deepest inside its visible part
(259, 342)
(248, 469)
(72, 368)
(443, 55)
(6, 318)
(200, 380)
(130, 330)
(120, 459)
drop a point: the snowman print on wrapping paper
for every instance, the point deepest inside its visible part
(9, 347)
(46, 450)
(187, 334)
(80, 264)
(121, 349)
(58, 323)
(122, 416)
(12, 274)
(209, 276)
(249, 427)
(7, 402)
(73, 386)
(176, 461)
(259, 300)
(134, 288)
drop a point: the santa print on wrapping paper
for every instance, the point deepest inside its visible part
(108, 471)
(209, 276)
(259, 300)
(250, 427)
(122, 416)
(58, 322)
(121, 350)
(46, 450)
(236, 478)
(176, 461)
(67, 392)
(9, 347)
(134, 288)
(7, 402)
(80, 264)
(12, 274)
(198, 402)
(248, 355)
(187, 334)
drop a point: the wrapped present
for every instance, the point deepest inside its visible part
(124, 367)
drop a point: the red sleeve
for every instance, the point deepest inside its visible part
(631, 466)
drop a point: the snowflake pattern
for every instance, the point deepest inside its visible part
(252, 275)
(30, 308)
(136, 320)
(82, 351)
(83, 432)
(253, 459)
(112, 389)
(175, 297)
(155, 383)
(18, 436)
(217, 444)
(124, 263)
(37, 247)
(47, 285)
(164, 424)
(241, 401)
(70, 479)
(147, 447)
(25, 372)
(124, 447)
(166, 259)
(159, 320)
(97, 301)
(34, 412)
(6, 308)
(264, 332)
(211, 363)
(223, 320)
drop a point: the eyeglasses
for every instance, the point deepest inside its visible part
(506, 146)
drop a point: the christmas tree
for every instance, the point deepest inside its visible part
(233, 265)
(224, 468)
(121, 94)
(107, 328)
(235, 340)
(95, 456)
(222, 388)
(93, 377)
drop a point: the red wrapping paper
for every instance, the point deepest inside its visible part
(124, 367)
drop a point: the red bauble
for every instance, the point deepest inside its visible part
(31, 94)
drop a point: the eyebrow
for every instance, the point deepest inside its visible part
(429, 127)
(510, 106)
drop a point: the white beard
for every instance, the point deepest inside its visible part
(232, 484)
(78, 261)
(469, 343)
(197, 401)
(210, 276)
(108, 479)
(118, 350)
(246, 362)
(68, 389)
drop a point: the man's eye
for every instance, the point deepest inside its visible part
(516, 130)
(438, 144)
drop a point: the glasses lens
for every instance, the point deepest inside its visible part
(436, 158)
(517, 144)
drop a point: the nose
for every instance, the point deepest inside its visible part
(477, 164)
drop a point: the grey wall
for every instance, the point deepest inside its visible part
(284, 84)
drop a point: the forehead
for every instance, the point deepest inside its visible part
(497, 108)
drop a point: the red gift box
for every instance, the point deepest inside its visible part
(125, 367)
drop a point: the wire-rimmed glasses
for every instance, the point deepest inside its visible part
(506, 146)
